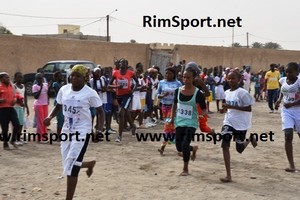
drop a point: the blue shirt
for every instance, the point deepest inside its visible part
(170, 87)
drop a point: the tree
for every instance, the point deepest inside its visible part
(132, 41)
(4, 30)
(272, 45)
(257, 45)
(236, 44)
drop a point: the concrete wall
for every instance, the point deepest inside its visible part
(26, 54)
(209, 56)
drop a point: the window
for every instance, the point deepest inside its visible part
(49, 68)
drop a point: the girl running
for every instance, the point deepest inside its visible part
(21, 104)
(237, 119)
(75, 100)
(165, 93)
(185, 112)
(290, 112)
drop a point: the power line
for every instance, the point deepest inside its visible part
(42, 25)
(44, 17)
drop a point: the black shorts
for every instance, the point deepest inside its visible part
(124, 100)
(228, 133)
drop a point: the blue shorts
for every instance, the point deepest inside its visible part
(149, 103)
(107, 107)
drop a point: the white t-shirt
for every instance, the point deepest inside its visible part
(76, 108)
(135, 93)
(247, 77)
(142, 83)
(154, 89)
(291, 93)
(239, 120)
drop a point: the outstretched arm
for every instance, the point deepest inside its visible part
(53, 113)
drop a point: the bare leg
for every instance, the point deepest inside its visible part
(72, 180)
(162, 148)
(185, 170)
(226, 156)
(217, 102)
(131, 122)
(108, 121)
(289, 150)
(71, 186)
(193, 156)
(121, 121)
(140, 118)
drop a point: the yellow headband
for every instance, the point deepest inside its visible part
(81, 69)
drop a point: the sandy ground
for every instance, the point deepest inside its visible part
(135, 170)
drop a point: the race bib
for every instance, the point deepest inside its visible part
(184, 111)
(71, 110)
(124, 83)
(290, 97)
(171, 93)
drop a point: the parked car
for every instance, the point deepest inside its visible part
(53, 66)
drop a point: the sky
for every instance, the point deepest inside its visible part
(263, 20)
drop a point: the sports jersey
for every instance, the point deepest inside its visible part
(187, 113)
(124, 80)
(170, 87)
(291, 93)
(76, 108)
(239, 120)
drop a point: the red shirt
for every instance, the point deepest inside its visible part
(7, 93)
(124, 80)
(202, 76)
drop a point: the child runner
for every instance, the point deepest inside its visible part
(124, 95)
(220, 95)
(186, 122)
(198, 82)
(136, 100)
(290, 114)
(256, 79)
(165, 93)
(76, 99)
(21, 104)
(97, 84)
(237, 120)
(108, 99)
(57, 84)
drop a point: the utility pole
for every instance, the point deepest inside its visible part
(107, 28)
(247, 40)
(107, 25)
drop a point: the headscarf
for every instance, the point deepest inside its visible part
(80, 69)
